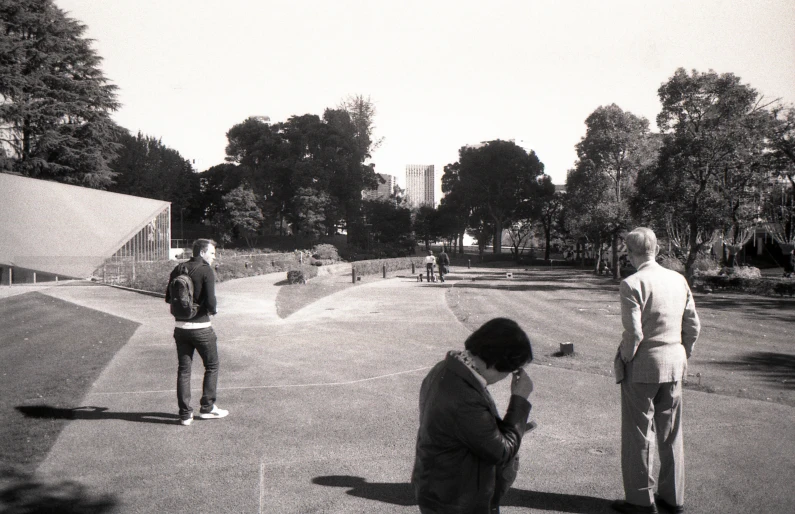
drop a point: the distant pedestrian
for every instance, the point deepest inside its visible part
(195, 332)
(660, 328)
(429, 263)
(443, 261)
(466, 455)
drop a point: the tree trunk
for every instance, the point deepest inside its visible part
(461, 243)
(597, 255)
(693, 252)
(616, 269)
(548, 236)
(497, 241)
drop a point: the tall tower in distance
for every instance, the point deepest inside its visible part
(384, 191)
(420, 182)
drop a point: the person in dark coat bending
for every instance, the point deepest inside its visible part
(466, 456)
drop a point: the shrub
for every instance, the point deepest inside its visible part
(374, 267)
(672, 263)
(296, 277)
(706, 264)
(783, 288)
(743, 272)
(325, 252)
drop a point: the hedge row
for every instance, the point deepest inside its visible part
(153, 276)
(761, 286)
(375, 267)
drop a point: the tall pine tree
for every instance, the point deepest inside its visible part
(55, 102)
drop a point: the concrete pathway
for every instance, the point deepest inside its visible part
(323, 415)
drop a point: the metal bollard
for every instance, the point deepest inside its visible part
(413, 271)
(353, 274)
(384, 270)
(469, 263)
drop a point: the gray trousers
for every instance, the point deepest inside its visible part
(647, 409)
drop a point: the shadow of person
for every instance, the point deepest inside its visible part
(94, 413)
(403, 494)
(557, 502)
(385, 492)
(20, 494)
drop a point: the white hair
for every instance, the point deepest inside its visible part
(642, 241)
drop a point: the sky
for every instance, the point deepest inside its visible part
(441, 74)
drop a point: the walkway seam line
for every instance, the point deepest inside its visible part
(316, 384)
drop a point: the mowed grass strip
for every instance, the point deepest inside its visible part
(746, 347)
(52, 352)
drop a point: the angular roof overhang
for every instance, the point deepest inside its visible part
(63, 229)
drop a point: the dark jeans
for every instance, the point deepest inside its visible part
(203, 340)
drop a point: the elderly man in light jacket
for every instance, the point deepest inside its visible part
(660, 328)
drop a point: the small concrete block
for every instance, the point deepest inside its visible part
(509, 275)
(567, 348)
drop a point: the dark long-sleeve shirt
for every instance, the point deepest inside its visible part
(203, 278)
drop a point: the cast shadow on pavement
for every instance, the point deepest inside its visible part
(21, 494)
(95, 413)
(777, 368)
(403, 494)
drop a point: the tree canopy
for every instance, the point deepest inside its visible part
(712, 161)
(55, 101)
(617, 144)
(144, 166)
(496, 179)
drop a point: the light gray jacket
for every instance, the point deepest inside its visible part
(660, 326)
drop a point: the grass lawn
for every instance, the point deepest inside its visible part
(746, 347)
(52, 351)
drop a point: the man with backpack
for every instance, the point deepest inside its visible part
(191, 294)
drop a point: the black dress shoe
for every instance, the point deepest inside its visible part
(631, 508)
(675, 509)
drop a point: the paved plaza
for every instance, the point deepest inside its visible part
(323, 411)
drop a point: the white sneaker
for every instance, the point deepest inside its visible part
(214, 414)
(186, 422)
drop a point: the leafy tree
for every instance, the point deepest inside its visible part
(455, 202)
(782, 142)
(586, 204)
(779, 201)
(424, 224)
(241, 217)
(497, 179)
(144, 166)
(549, 210)
(390, 223)
(304, 153)
(310, 212)
(350, 174)
(616, 145)
(362, 113)
(216, 182)
(480, 226)
(447, 224)
(712, 159)
(55, 103)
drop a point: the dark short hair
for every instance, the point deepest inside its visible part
(200, 245)
(501, 344)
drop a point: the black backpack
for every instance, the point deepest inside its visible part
(181, 291)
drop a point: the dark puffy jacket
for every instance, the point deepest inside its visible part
(462, 444)
(203, 278)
